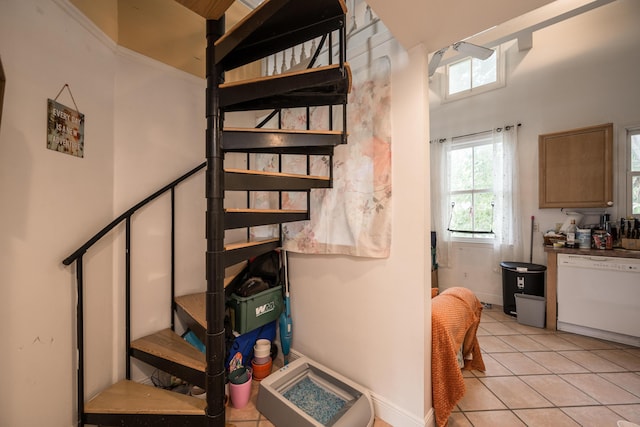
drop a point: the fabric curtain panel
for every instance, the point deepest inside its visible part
(440, 200)
(507, 244)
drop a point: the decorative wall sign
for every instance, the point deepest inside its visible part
(65, 127)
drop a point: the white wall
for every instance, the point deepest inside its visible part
(579, 73)
(159, 136)
(49, 204)
(369, 319)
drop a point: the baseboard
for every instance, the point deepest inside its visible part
(396, 416)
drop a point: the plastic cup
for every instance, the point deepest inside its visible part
(240, 394)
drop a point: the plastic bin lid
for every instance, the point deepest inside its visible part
(510, 265)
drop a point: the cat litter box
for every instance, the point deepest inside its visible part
(307, 394)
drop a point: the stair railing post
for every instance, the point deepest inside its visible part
(127, 263)
(173, 258)
(80, 340)
(215, 345)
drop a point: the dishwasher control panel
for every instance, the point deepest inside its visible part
(600, 263)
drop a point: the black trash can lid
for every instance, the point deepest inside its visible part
(515, 266)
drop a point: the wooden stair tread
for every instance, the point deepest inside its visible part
(298, 74)
(276, 25)
(166, 344)
(240, 245)
(284, 131)
(275, 174)
(326, 85)
(128, 397)
(264, 211)
(208, 9)
(288, 74)
(195, 306)
(232, 272)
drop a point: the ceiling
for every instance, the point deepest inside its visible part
(164, 30)
(173, 34)
(439, 23)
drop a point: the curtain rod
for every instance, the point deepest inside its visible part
(506, 127)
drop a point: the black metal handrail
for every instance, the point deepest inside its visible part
(77, 256)
(82, 249)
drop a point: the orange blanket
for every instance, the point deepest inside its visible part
(455, 316)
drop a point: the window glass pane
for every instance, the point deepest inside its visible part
(483, 215)
(635, 195)
(461, 169)
(485, 72)
(460, 76)
(635, 153)
(461, 217)
(483, 166)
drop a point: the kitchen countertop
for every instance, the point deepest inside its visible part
(616, 252)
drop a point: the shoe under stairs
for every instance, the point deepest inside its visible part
(274, 26)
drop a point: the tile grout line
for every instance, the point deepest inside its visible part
(591, 351)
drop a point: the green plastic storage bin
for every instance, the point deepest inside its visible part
(249, 313)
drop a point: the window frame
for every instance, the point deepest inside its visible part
(631, 132)
(499, 83)
(480, 139)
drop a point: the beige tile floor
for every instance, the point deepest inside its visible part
(534, 377)
(537, 377)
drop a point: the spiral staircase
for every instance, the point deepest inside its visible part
(273, 27)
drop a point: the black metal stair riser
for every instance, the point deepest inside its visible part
(280, 142)
(277, 26)
(248, 182)
(239, 255)
(190, 375)
(234, 220)
(326, 86)
(191, 324)
(146, 420)
(291, 101)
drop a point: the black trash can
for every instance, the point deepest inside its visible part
(523, 278)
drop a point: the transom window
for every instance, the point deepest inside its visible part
(470, 76)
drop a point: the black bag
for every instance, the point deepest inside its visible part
(266, 267)
(251, 286)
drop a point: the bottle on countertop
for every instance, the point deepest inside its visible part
(571, 234)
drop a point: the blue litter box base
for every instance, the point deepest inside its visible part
(307, 394)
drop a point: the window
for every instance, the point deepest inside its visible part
(470, 76)
(633, 137)
(477, 174)
(475, 163)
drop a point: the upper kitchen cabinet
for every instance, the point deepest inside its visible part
(576, 168)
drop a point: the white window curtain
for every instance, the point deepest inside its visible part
(440, 199)
(507, 242)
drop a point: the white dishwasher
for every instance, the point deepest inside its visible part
(599, 296)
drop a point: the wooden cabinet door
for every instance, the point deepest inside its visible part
(576, 168)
